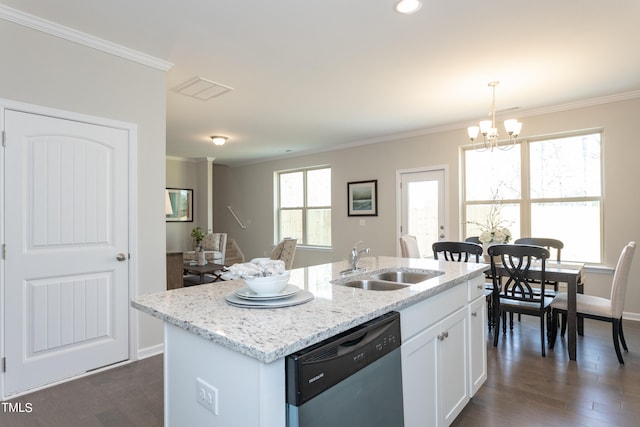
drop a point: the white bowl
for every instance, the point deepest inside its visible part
(268, 285)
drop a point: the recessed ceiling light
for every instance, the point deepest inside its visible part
(219, 140)
(408, 7)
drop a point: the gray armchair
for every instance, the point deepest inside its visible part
(214, 246)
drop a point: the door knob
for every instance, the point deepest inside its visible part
(121, 257)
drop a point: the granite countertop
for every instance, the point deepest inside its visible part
(269, 334)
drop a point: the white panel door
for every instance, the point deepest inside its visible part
(422, 207)
(66, 220)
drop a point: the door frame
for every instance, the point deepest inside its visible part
(132, 130)
(399, 173)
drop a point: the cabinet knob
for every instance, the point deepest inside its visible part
(474, 314)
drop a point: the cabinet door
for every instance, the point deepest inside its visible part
(477, 344)
(419, 379)
(453, 376)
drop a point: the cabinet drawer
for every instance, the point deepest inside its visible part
(421, 315)
(476, 287)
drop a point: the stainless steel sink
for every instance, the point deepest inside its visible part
(374, 285)
(411, 277)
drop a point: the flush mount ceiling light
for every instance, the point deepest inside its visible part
(490, 131)
(218, 140)
(408, 7)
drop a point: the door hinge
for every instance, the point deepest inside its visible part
(4, 251)
(4, 364)
(4, 138)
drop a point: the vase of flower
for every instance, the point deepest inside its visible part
(202, 259)
(494, 230)
(496, 236)
(197, 235)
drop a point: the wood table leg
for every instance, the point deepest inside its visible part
(580, 290)
(572, 287)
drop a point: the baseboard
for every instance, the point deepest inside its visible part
(143, 353)
(631, 316)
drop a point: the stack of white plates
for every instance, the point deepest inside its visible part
(290, 295)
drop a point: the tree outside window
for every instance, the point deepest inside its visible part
(547, 188)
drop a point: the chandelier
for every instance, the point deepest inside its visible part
(490, 131)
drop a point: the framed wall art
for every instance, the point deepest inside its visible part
(179, 205)
(362, 198)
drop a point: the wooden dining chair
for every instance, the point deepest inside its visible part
(514, 293)
(409, 246)
(598, 308)
(465, 252)
(551, 244)
(473, 239)
(457, 251)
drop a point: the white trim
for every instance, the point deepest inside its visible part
(2, 242)
(147, 352)
(66, 33)
(133, 241)
(631, 316)
(458, 125)
(399, 173)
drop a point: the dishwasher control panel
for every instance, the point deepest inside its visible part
(311, 371)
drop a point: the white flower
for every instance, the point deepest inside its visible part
(495, 235)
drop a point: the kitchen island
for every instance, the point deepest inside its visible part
(224, 365)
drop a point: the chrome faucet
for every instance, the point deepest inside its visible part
(356, 255)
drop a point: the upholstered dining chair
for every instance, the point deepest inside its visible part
(512, 290)
(285, 251)
(409, 246)
(598, 308)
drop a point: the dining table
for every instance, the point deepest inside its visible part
(562, 272)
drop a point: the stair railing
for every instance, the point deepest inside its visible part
(236, 217)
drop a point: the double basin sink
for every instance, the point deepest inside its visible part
(389, 280)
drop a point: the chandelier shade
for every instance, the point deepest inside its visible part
(489, 130)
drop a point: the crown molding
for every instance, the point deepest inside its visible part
(66, 33)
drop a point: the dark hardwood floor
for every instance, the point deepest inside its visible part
(522, 389)
(126, 396)
(525, 389)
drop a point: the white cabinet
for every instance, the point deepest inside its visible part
(444, 358)
(452, 366)
(434, 372)
(477, 344)
(419, 379)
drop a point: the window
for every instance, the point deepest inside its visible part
(546, 188)
(304, 206)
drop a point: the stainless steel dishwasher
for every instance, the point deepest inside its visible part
(353, 379)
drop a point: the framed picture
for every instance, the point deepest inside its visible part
(178, 205)
(362, 198)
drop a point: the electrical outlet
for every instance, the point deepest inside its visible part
(207, 395)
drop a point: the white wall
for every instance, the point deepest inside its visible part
(249, 189)
(181, 173)
(41, 69)
(197, 175)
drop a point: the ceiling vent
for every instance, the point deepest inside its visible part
(202, 89)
